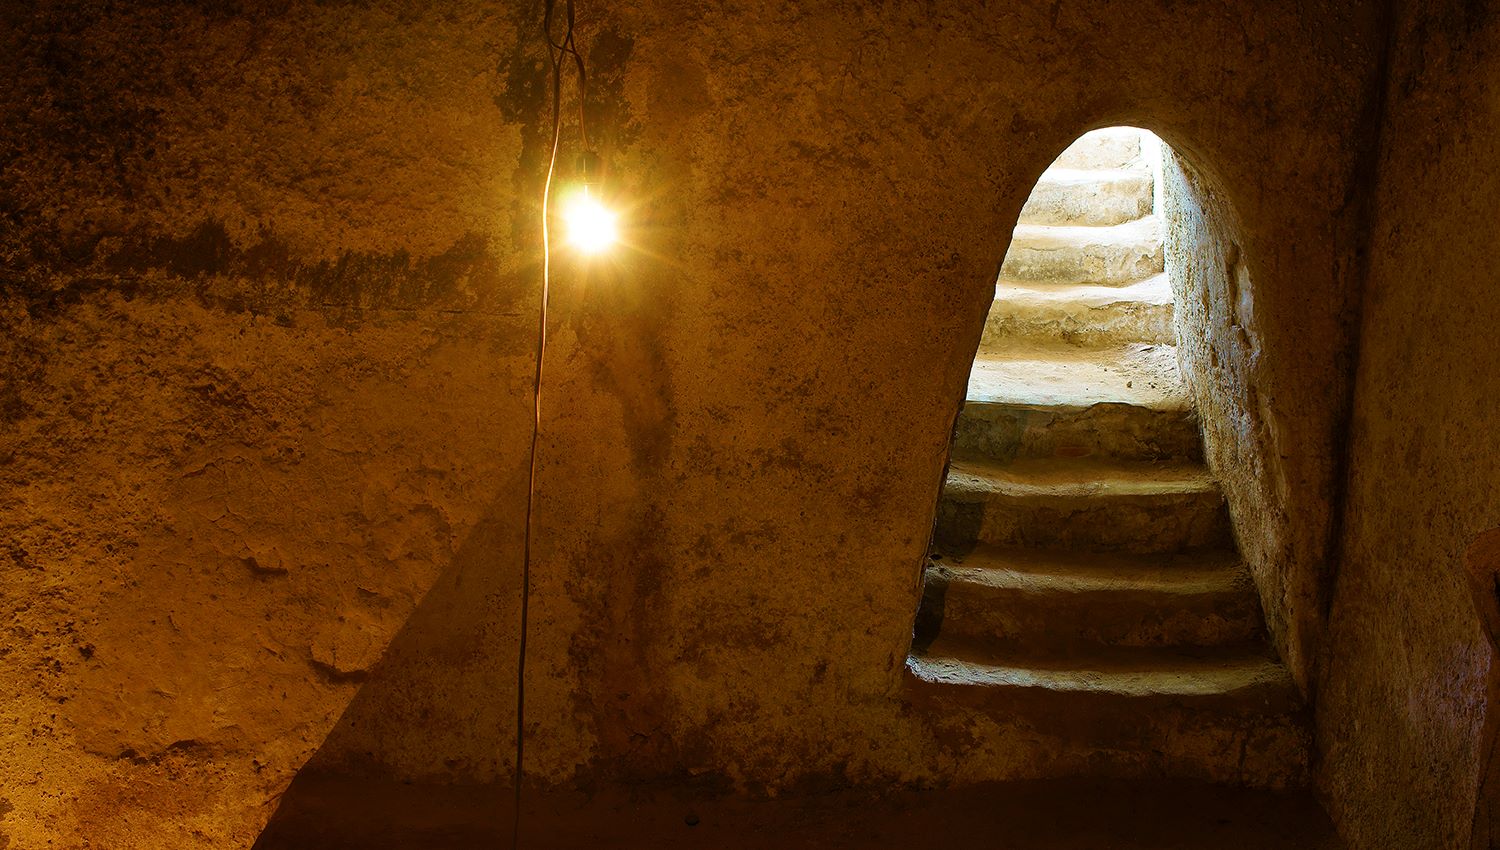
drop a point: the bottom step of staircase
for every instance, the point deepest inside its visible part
(1218, 715)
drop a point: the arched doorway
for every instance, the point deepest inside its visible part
(1083, 566)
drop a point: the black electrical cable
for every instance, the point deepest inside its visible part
(557, 52)
(561, 49)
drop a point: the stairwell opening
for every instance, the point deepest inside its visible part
(1083, 563)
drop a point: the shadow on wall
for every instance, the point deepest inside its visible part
(440, 705)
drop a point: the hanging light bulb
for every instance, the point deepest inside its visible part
(592, 226)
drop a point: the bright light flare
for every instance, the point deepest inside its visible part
(591, 225)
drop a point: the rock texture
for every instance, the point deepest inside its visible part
(264, 382)
(1405, 697)
(1083, 576)
(1243, 348)
(268, 277)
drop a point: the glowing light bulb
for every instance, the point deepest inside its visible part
(591, 226)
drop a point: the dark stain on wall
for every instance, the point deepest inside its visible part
(466, 276)
(93, 115)
(525, 102)
(610, 122)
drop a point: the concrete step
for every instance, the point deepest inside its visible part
(1087, 504)
(1087, 197)
(1110, 148)
(1107, 256)
(1126, 403)
(1081, 315)
(1072, 604)
(1225, 716)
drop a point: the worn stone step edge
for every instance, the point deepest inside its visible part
(1062, 375)
(1068, 602)
(1082, 315)
(1114, 255)
(1059, 401)
(1256, 736)
(1062, 571)
(1077, 479)
(1112, 147)
(1005, 431)
(1085, 504)
(1239, 680)
(1090, 197)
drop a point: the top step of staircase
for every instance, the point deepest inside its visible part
(1115, 147)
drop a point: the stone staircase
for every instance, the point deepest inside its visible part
(1083, 591)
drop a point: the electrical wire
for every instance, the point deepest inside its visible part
(557, 52)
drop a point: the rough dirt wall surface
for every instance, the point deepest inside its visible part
(246, 427)
(268, 279)
(1271, 447)
(778, 612)
(1404, 701)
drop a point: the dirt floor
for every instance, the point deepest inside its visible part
(1068, 815)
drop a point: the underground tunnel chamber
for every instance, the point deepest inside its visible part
(1086, 616)
(1083, 572)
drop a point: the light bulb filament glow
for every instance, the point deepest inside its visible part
(591, 225)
